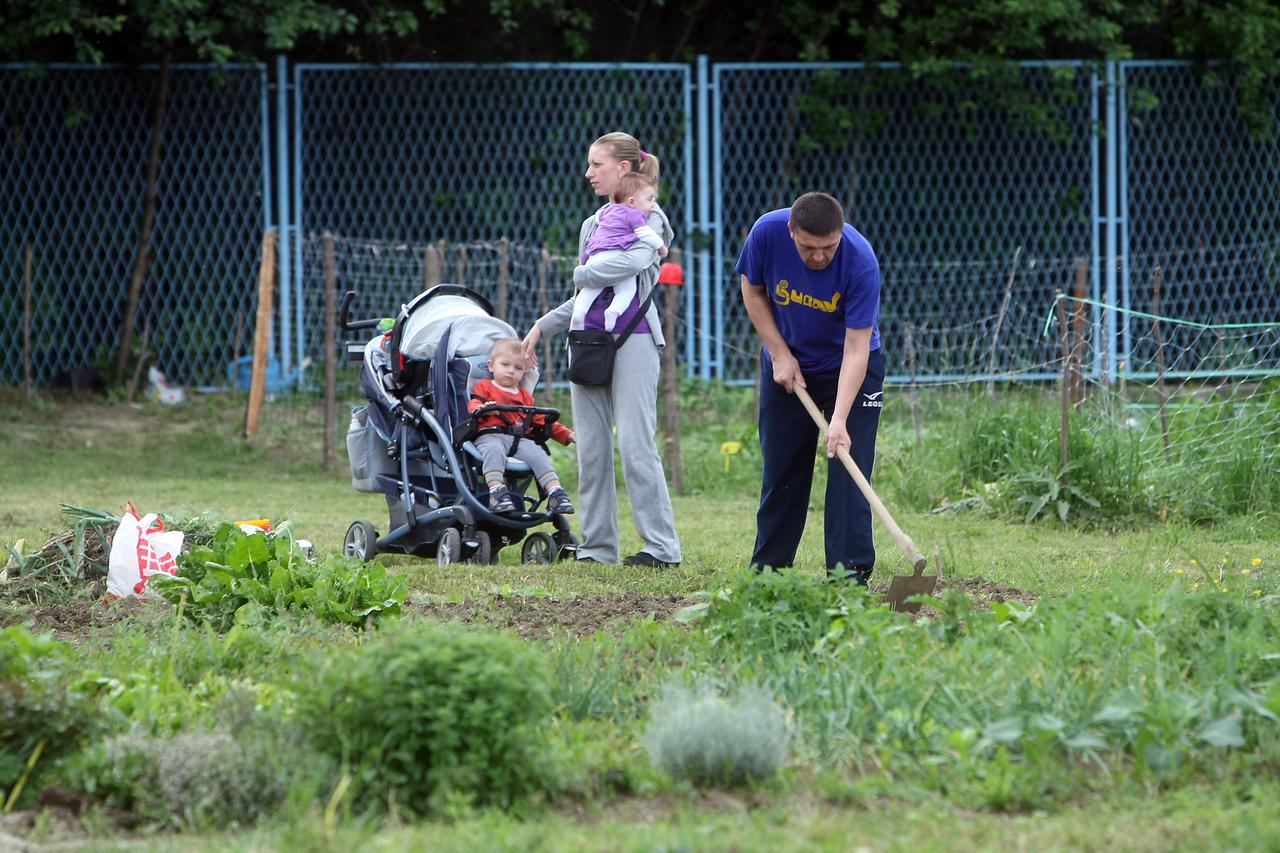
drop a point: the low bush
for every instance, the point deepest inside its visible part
(47, 705)
(706, 738)
(206, 779)
(434, 713)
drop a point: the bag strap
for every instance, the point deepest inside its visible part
(635, 321)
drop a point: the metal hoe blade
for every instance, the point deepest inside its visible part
(903, 587)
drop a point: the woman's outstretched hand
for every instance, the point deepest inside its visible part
(530, 345)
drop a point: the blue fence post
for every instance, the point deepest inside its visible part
(704, 225)
(718, 280)
(296, 223)
(1122, 194)
(1111, 248)
(687, 288)
(1095, 219)
(282, 189)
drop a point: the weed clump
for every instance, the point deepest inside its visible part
(433, 715)
(706, 738)
(207, 779)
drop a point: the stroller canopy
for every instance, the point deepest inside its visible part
(471, 329)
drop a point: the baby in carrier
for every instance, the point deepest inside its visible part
(622, 223)
(507, 365)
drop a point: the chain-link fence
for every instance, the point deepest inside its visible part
(73, 155)
(978, 203)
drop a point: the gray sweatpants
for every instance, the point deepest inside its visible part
(630, 404)
(496, 447)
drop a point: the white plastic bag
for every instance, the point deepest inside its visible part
(140, 548)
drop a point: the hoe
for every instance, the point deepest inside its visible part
(902, 586)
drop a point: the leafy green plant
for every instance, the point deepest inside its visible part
(709, 738)
(435, 713)
(46, 706)
(777, 612)
(239, 575)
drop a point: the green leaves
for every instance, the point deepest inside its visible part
(246, 577)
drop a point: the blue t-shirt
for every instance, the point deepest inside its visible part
(814, 307)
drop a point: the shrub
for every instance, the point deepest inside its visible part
(46, 705)
(708, 739)
(436, 712)
(210, 778)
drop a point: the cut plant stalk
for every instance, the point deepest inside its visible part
(901, 587)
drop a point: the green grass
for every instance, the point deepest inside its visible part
(852, 783)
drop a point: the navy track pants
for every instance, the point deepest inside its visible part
(788, 444)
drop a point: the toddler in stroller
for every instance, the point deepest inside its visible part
(502, 432)
(414, 441)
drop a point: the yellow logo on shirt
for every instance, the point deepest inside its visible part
(787, 296)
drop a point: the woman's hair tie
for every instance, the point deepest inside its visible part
(643, 154)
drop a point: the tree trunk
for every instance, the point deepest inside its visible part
(142, 253)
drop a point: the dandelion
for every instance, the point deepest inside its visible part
(1194, 563)
(1179, 571)
(1257, 561)
(1257, 593)
(1245, 572)
(1196, 585)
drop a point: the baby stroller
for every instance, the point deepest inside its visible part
(413, 441)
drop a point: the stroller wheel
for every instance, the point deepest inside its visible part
(484, 549)
(361, 541)
(538, 548)
(449, 549)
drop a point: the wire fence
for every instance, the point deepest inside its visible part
(979, 207)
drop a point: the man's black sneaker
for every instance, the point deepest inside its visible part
(559, 503)
(502, 501)
(644, 558)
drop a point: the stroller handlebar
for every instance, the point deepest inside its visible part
(344, 311)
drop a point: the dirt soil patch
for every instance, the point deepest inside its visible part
(983, 592)
(72, 621)
(535, 617)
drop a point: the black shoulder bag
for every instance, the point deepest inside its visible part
(591, 351)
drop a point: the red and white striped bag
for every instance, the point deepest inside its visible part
(140, 548)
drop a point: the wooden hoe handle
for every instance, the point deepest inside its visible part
(908, 548)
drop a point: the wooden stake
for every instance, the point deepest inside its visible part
(1077, 328)
(671, 382)
(330, 355)
(504, 275)
(995, 335)
(915, 391)
(235, 346)
(27, 282)
(433, 264)
(261, 334)
(442, 248)
(544, 263)
(1064, 435)
(142, 362)
(462, 264)
(1156, 276)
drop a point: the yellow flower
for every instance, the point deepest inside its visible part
(1179, 572)
(1194, 563)
(1196, 585)
(1257, 561)
(1245, 572)
(1257, 593)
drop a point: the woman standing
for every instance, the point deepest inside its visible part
(630, 402)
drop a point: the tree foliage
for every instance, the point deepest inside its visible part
(926, 36)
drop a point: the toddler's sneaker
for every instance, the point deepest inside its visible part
(559, 503)
(500, 500)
